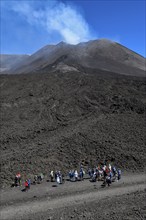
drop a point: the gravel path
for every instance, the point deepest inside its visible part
(47, 199)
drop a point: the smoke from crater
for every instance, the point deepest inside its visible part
(55, 17)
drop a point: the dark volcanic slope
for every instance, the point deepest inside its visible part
(59, 120)
(98, 54)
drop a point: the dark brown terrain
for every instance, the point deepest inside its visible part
(59, 120)
(64, 113)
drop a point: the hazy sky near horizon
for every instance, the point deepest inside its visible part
(28, 25)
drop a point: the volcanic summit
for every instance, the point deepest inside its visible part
(100, 54)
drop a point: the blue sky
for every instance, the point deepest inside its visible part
(26, 26)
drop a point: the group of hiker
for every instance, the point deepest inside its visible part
(105, 172)
(58, 177)
(74, 175)
(27, 182)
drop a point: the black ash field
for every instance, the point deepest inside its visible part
(60, 114)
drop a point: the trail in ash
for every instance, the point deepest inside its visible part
(21, 209)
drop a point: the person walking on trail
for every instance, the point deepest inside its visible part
(52, 175)
(18, 179)
(109, 166)
(70, 175)
(119, 174)
(90, 172)
(104, 167)
(40, 178)
(58, 179)
(100, 174)
(104, 176)
(94, 177)
(81, 174)
(26, 185)
(35, 179)
(76, 175)
(108, 180)
(29, 183)
(114, 170)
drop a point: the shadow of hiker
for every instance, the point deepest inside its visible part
(54, 185)
(23, 190)
(103, 185)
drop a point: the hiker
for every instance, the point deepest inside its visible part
(35, 179)
(40, 178)
(100, 174)
(111, 176)
(97, 172)
(94, 177)
(76, 175)
(19, 178)
(60, 177)
(29, 183)
(104, 176)
(119, 174)
(109, 166)
(52, 175)
(114, 170)
(90, 172)
(81, 174)
(107, 170)
(26, 185)
(108, 180)
(104, 167)
(70, 175)
(17, 181)
(63, 178)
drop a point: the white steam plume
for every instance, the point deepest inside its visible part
(55, 17)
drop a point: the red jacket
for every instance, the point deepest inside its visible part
(26, 184)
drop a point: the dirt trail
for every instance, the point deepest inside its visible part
(67, 195)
